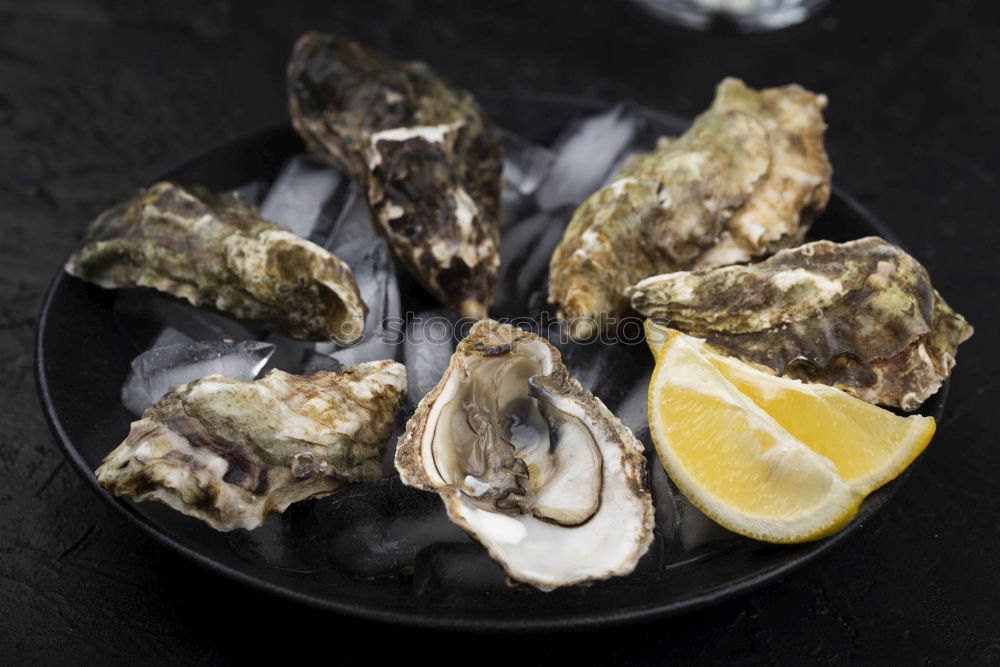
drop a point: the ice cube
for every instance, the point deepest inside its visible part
(525, 250)
(353, 225)
(161, 368)
(586, 152)
(278, 543)
(135, 398)
(374, 271)
(613, 365)
(665, 496)
(525, 164)
(445, 574)
(427, 349)
(687, 533)
(298, 196)
(698, 533)
(512, 206)
(633, 407)
(381, 528)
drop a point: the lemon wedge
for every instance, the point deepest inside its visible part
(771, 458)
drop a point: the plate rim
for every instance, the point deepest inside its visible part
(453, 620)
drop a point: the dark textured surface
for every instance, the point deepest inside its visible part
(97, 98)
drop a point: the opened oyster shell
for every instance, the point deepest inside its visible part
(216, 250)
(861, 316)
(230, 452)
(529, 463)
(423, 153)
(746, 179)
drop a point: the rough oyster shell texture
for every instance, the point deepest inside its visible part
(230, 452)
(746, 179)
(860, 315)
(423, 153)
(529, 463)
(216, 250)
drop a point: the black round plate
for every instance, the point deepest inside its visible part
(383, 551)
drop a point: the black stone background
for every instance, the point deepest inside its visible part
(97, 98)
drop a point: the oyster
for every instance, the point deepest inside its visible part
(529, 463)
(746, 179)
(423, 153)
(216, 250)
(230, 452)
(861, 316)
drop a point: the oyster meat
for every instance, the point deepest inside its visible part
(423, 153)
(216, 250)
(746, 179)
(529, 463)
(230, 452)
(861, 316)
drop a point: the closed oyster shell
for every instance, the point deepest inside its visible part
(230, 452)
(746, 179)
(860, 315)
(529, 463)
(423, 153)
(216, 250)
